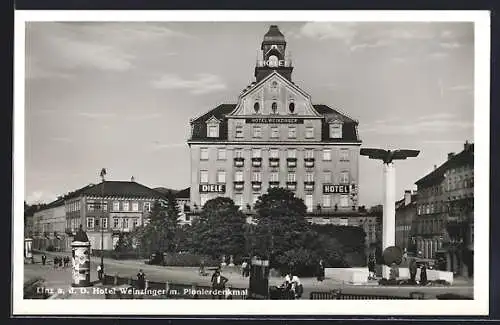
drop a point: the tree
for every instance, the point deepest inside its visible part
(219, 229)
(171, 224)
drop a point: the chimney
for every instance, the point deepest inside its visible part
(467, 145)
(407, 197)
(435, 167)
(132, 179)
(450, 155)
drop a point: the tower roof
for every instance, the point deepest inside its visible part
(274, 36)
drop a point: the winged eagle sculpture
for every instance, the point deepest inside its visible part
(387, 156)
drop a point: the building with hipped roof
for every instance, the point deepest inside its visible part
(49, 223)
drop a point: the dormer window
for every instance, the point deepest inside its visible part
(256, 107)
(274, 107)
(213, 127)
(336, 130)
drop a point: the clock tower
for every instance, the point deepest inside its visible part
(273, 56)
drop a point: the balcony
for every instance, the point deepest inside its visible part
(256, 185)
(274, 162)
(309, 186)
(309, 162)
(256, 162)
(239, 162)
(274, 184)
(239, 185)
(291, 162)
(292, 186)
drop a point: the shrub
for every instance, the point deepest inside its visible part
(50, 248)
(189, 259)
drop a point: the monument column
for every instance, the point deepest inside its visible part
(389, 212)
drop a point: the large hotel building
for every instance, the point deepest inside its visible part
(274, 136)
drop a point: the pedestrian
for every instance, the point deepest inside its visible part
(44, 259)
(297, 287)
(371, 267)
(56, 262)
(100, 272)
(244, 268)
(320, 271)
(218, 284)
(413, 270)
(141, 280)
(202, 268)
(423, 275)
(60, 262)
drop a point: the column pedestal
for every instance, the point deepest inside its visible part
(389, 212)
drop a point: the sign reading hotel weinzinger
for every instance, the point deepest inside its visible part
(273, 120)
(328, 188)
(212, 188)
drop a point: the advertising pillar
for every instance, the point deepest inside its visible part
(81, 264)
(28, 247)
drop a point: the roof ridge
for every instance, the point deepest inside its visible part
(341, 112)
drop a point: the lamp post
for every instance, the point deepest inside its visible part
(389, 210)
(103, 173)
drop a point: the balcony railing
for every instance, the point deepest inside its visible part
(309, 186)
(256, 162)
(291, 162)
(274, 162)
(239, 185)
(239, 162)
(256, 185)
(291, 186)
(273, 184)
(309, 162)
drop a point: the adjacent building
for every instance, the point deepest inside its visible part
(49, 223)
(444, 225)
(182, 197)
(274, 136)
(106, 209)
(406, 210)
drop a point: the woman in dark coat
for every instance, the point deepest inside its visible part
(423, 275)
(320, 272)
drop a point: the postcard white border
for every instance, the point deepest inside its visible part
(478, 306)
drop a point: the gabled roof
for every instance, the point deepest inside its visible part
(184, 194)
(120, 189)
(466, 157)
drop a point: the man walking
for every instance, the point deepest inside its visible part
(100, 272)
(141, 280)
(218, 284)
(44, 259)
(413, 270)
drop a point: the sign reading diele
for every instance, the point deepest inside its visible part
(212, 188)
(328, 188)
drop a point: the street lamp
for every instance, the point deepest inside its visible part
(389, 210)
(103, 173)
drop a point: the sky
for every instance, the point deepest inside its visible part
(119, 95)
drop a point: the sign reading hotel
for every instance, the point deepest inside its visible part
(342, 189)
(212, 188)
(273, 120)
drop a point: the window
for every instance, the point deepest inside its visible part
(344, 154)
(221, 154)
(327, 177)
(135, 206)
(291, 107)
(327, 200)
(238, 176)
(336, 130)
(256, 107)
(344, 201)
(291, 177)
(309, 177)
(274, 153)
(125, 206)
(221, 176)
(213, 131)
(309, 132)
(90, 223)
(104, 223)
(147, 206)
(204, 176)
(344, 177)
(309, 202)
(256, 153)
(238, 153)
(274, 84)
(309, 153)
(275, 132)
(116, 223)
(292, 132)
(292, 153)
(125, 223)
(274, 107)
(116, 206)
(203, 199)
(274, 177)
(238, 200)
(204, 154)
(135, 222)
(239, 131)
(257, 131)
(327, 154)
(256, 177)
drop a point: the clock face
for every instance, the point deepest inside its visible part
(273, 61)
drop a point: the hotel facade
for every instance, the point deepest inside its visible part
(274, 136)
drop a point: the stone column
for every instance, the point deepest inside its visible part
(389, 212)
